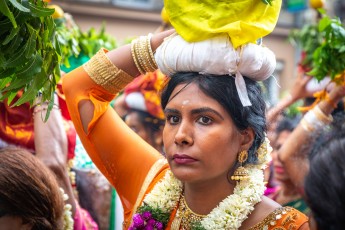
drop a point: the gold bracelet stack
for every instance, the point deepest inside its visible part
(315, 119)
(143, 55)
(102, 71)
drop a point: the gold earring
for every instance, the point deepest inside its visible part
(241, 173)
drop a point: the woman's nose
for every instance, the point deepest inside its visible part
(184, 135)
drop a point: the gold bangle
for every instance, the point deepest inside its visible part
(104, 73)
(321, 115)
(142, 54)
(151, 55)
(306, 126)
(135, 56)
(144, 50)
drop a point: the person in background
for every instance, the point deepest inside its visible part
(30, 196)
(51, 148)
(286, 193)
(324, 184)
(313, 156)
(139, 105)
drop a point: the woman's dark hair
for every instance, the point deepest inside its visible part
(223, 90)
(324, 185)
(287, 124)
(29, 190)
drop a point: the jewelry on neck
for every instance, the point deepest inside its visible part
(186, 217)
(158, 205)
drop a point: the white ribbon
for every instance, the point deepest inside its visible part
(242, 89)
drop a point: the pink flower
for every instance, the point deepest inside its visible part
(146, 215)
(138, 221)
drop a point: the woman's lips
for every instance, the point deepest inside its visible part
(183, 159)
(279, 170)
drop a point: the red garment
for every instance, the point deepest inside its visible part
(17, 125)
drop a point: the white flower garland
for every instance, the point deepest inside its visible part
(68, 222)
(233, 210)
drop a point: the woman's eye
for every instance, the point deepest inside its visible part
(205, 120)
(173, 119)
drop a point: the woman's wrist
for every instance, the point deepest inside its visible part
(316, 118)
(158, 39)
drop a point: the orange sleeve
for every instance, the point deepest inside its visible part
(290, 218)
(121, 155)
(283, 218)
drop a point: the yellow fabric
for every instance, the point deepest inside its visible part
(243, 20)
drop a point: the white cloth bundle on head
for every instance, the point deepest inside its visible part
(216, 56)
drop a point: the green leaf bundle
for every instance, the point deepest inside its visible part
(323, 47)
(30, 55)
(329, 57)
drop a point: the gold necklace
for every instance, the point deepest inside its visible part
(185, 217)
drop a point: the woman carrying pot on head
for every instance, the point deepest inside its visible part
(211, 140)
(214, 134)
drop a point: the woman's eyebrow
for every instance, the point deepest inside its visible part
(207, 110)
(167, 110)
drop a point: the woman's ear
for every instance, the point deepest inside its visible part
(158, 138)
(247, 137)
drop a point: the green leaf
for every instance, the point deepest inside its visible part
(324, 23)
(8, 94)
(17, 83)
(38, 11)
(19, 6)
(31, 92)
(10, 97)
(31, 44)
(17, 58)
(32, 67)
(2, 61)
(13, 33)
(7, 72)
(6, 11)
(4, 82)
(15, 43)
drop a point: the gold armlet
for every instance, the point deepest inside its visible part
(104, 73)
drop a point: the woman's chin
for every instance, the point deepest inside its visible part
(184, 175)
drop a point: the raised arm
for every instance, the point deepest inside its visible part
(51, 146)
(122, 156)
(298, 91)
(294, 153)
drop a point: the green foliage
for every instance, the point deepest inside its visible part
(308, 39)
(29, 58)
(33, 45)
(293, 110)
(197, 226)
(91, 42)
(329, 57)
(67, 33)
(323, 47)
(156, 213)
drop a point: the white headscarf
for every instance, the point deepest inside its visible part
(216, 56)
